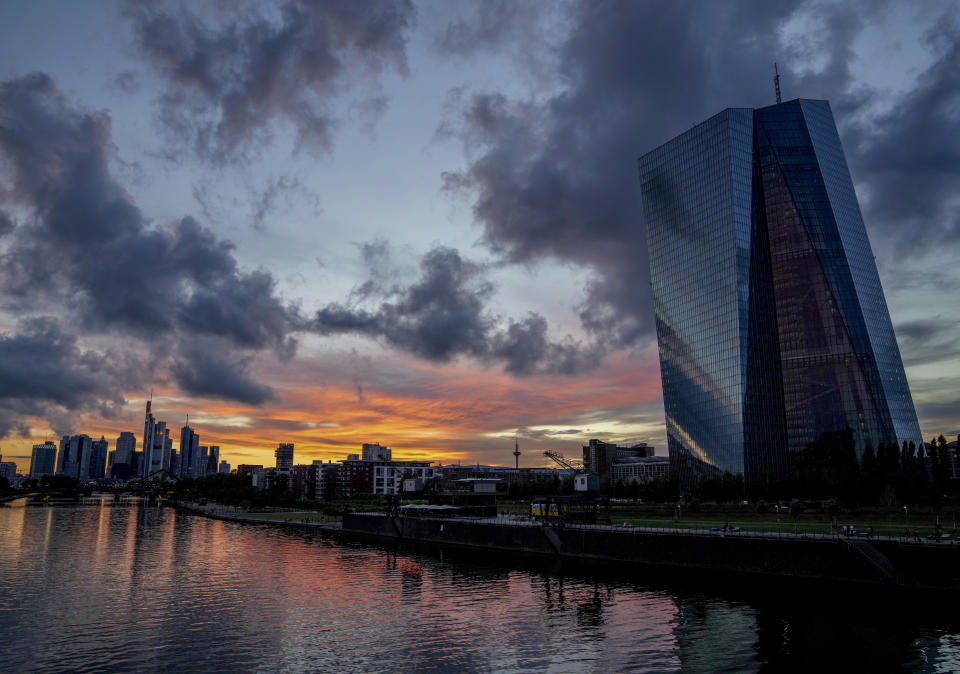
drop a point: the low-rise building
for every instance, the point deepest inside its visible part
(8, 469)
(641, 469)
(599, 456)
(327, 480)
(388, 476)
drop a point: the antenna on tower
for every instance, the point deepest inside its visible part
(516, 452)
(187, 423)
(776, 81)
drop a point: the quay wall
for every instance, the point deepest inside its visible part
(880, 562)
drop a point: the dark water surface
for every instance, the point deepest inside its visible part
(134, 588)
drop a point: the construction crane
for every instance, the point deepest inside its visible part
(564, 462)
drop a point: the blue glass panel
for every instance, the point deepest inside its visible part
(771, 322)
(696, 199)
(863, 268)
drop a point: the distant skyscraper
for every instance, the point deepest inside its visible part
(213, 459)
(98, 458)
(157, 445)
(43, 460)
(771, 321)
(224, 467)
(284, 454)
(124, 463)
(200, 460)
(74, 459)
(189, 442)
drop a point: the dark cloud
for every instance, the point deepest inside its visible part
(234, 71)
(44, 373)
(494, 24)
(929, 341)
(556, 177)
(209, 368)
(907, 159)
(127, 81)
(86, 252)
(6, 223)
(443, 315)
(926, 329)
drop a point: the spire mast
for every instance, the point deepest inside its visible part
(776, 81)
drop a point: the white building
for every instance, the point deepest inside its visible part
(388, 476)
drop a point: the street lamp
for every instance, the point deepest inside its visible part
(906, 520)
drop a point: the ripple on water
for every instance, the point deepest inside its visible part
(101, 588)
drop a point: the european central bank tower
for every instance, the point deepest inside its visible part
(771, 321)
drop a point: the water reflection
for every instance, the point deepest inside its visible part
(102, 586)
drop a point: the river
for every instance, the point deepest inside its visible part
(97, 587)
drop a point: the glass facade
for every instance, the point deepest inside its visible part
(771, 321)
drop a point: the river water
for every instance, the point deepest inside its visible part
(136, 588)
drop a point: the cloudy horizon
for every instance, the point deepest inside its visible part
(416, 223)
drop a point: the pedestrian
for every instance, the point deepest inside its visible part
(916, 535)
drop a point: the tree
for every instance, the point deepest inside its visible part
(869, 476)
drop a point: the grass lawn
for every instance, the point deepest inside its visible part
(295, 516)
(884, 521)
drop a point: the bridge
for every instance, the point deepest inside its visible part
(153, 486)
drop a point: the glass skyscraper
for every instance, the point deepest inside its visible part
(771, 321)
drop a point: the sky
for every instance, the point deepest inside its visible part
(416, 223)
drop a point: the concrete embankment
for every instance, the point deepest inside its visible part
(280, 518)
(873, 562)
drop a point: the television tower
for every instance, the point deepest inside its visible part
(516, 452)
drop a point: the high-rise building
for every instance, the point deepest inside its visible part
(98, 458)
(213, 460)
(284, 454)
(74, 459)
(43, 460)
(771, 321)
(371, 451)
(200, 461)
(189, 444)
(224, 467)
(123, 459)
(157, 445)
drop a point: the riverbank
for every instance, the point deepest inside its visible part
(877, 561)
(307, 519)
(883, 561)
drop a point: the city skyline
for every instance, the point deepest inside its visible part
(435, 241)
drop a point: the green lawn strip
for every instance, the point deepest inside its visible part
(291, 516)
(786, 525)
